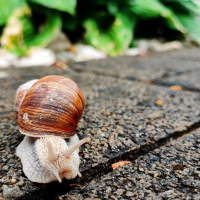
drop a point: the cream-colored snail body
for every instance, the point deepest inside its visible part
(48, 111)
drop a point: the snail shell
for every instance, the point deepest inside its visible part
(52, 106)
(21, 93)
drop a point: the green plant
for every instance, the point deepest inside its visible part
(108, 25)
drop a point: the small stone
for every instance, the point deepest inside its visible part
(155, 175)
(129, 194)
(99, 131)
(39, 57)
(13, 180)
(119, 191)
(71, 197)
(155, 114)
(85, 52)
(169, 192)
(141, 169)
(11, 193)
(112, 197)
(142, 181)
(128, 142)
(178, 167)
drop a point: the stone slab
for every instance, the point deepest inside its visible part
(191, 54)
(188, 80)
(169, 172)
(121, 116)
(149, 69)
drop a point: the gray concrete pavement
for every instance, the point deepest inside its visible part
(169, 172)
(129, 114)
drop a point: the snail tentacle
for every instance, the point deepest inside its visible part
(68, 152)
(57, 176)
(51, 153)
(74, 168)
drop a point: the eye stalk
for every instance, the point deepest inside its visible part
(51, 153)
(68, 152)
(74, 168)
(57, 176)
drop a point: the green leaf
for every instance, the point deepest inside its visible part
(19, 37)
(187, 5)
(61, 5)
(147, 9)
(69, 22)
(116, 38)
(7, 7)
(112, 8)
(173, 21)
(192, 26)
(49, 30)
(118, 3)
(18, 25)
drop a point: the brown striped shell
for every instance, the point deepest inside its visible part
(21, 93)
(52, 106)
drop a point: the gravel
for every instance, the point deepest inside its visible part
(169, 172)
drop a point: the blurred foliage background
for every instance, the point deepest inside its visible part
(108, 25)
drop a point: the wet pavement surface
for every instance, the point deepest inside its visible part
(131, 114)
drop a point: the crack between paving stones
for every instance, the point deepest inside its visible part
(53, 190)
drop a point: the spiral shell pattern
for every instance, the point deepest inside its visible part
(52, 106)
(21, 93)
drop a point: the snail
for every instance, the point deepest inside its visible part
(48, 112)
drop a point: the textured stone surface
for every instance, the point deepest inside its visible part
(189, 80)
(169, 172)
(151, 69)
(190, 54)
(124, 118)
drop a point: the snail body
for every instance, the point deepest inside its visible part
(49, 112)
(50, 158)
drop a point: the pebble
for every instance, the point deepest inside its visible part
(13, 180)
(11, 193)
(39, 57)
(86, 52)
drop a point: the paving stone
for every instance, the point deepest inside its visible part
(151, 69)
(174, 174)
(189, 80)
(191, 54)
(187, 71)
(134, 68)
(120, 116)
